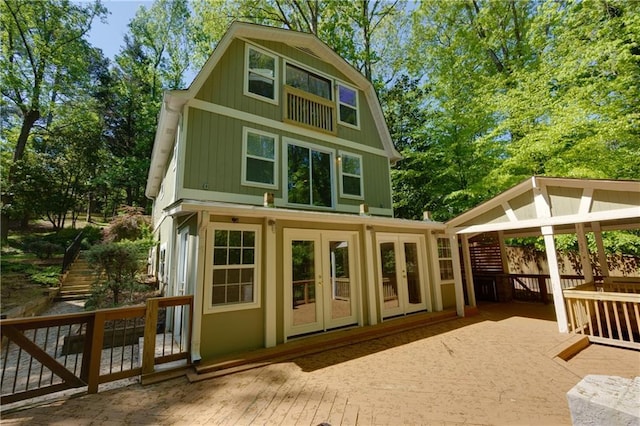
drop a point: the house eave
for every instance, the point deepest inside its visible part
(172, 103)
(184, 206)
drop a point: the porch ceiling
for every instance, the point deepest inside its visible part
(556, 202)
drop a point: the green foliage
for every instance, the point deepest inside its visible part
(48, 276)
(615, 242)
(130, 224)
(44, 249)
(117, 266)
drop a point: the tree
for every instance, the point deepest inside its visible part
(43, 62)
(43, 56)
(574, 110)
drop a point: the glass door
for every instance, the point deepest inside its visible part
(402, 275)
(320, 280)
(340, 294)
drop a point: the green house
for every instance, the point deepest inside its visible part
(270, 177)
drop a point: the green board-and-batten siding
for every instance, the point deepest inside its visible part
(225, 86)
(213, 160)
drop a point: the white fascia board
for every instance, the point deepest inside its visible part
(542, 182)
(497, 201)
(300, 215)
(600, 184)
(611, 215)
(169, 116)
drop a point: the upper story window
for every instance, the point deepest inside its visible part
(261, 75)
(259, 158)
(308, 172)
(445, 259)
(350, 175)
(308, 81)
(347, 105)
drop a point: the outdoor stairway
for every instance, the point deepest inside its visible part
(76, 285)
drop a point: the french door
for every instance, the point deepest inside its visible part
(321, 285)
(402, 276)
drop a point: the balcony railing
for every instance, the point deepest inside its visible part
(308, 110)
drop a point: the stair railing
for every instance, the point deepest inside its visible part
(71, 252)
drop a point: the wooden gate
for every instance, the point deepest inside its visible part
(43, 355)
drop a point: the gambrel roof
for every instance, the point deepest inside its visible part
(558, 202)
(174, 100)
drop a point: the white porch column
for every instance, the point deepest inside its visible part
(468, 270)
(503, 253)
(198, 294)
(554, 271)
(585, 259)
(270, 282)
(457, 274)
(370, 274)
(602, 256)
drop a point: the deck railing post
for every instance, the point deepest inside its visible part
(542, 286)
(149, 348)
(95, 353)
(87, 351)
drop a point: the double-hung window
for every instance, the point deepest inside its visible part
(350, 175)
(233, 272)
(259, 158)
(347, 105)
(308, 173)
(261, 74)
(445, 259)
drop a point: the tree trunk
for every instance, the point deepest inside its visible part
(27, 124)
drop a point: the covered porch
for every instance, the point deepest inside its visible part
(597, 303)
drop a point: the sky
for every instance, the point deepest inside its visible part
(109, 36)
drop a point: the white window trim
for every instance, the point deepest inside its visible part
(209, 308)
(444, 281)
(341, 154)
(285, 172)
(288, 61)
(276, 77)
(276, 145)
(338, 103)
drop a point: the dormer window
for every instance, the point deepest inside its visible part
(261, 75)
(347, 105)
(309, 82)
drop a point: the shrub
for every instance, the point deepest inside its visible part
(118, 265)
(44, 249)
(49, 276)
(130, 224)
(91, 235)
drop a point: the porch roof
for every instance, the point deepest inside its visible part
(560, 203)
(185, 207)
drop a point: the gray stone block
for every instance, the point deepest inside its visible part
(605, 400)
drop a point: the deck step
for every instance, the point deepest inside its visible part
(312, 345)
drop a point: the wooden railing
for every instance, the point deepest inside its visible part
(308, 110)
(42, 355)
(389, 289)
(605, 316)
(304, 292)
(525, 287)
(71, 252)
(341, 288)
